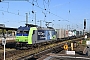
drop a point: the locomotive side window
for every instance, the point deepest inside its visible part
(33, 31)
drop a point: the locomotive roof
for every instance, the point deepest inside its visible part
(31, 25)
(50, 27)
(43, 28)
(23, 28)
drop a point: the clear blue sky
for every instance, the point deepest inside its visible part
(12, 13)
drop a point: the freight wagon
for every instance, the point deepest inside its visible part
(66, 34)
(62, 34)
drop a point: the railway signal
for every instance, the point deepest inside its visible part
(4, 43)
(84, 23)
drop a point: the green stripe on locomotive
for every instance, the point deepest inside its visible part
(21, 38)
(54, 37)
(30, 34)
(26, 38)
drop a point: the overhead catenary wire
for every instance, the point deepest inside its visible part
(18, 14)
(32, 10)
(12, 13)
(46, 10)
(36, 6)
(7, 5)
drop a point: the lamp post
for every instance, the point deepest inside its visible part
(35, 18)
(26, 18)
(40, 22)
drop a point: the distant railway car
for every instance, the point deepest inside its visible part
(66, 34)
(31, 34)
(60, 33)
(70, 33)
(81, 33)
(77, 34)
(74, 32)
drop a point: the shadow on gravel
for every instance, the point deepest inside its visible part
(32, 59)
(10, 45)
(80, 52)
(56, 50)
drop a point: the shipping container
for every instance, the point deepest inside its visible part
(60, 33)
(66, 33)
(74, 32)
(77, 33)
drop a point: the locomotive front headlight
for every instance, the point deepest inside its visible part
(25, 40)
(17, 39)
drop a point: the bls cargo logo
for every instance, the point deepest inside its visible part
(41, 35)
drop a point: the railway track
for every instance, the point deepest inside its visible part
(24, 54)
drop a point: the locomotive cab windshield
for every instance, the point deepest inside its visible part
(25, 32)
(19, 33)
(22, 34)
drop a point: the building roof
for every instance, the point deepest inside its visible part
(8, 28)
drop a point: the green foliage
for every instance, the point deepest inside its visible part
(84, 42)
(1, 31)
(9, 31)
